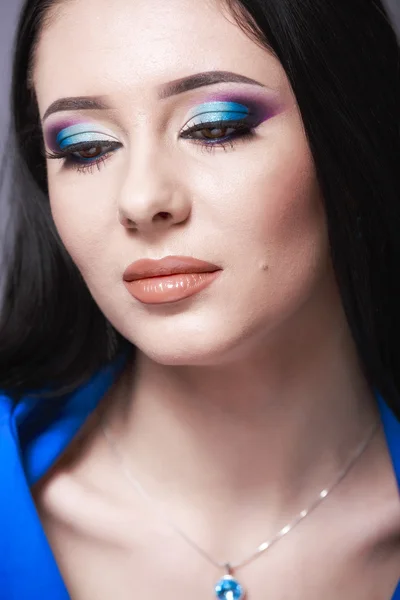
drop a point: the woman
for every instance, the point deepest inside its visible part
(199, 338)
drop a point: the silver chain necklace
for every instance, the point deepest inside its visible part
(228, 587)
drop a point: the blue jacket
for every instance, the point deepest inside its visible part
(30, 442)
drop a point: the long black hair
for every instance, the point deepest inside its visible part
(342, 60)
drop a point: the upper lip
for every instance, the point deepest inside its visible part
(169, 265)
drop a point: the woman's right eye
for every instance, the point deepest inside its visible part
(92, 152)
(85, 155)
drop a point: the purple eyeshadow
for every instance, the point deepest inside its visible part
(51, 132)
(260, 109)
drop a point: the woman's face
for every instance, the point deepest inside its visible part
(249, 204)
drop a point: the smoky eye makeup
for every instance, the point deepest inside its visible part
(217, 120)
(246, 109)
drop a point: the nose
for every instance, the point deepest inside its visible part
(152, 195)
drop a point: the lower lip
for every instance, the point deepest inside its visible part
(169, 288)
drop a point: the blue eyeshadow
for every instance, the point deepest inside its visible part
(79, 133)
(219, 111)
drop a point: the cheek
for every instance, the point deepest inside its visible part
(292, 227)
(271, 201)
(272, 213)
(85, 239)
(74, 231)
(294, 219)
(83, 223)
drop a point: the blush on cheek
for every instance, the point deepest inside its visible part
(290, 222)
(295, 203)
(298, 234)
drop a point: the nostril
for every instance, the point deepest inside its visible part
(128, 223)
(163, 215)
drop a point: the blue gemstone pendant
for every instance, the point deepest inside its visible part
(228, 588)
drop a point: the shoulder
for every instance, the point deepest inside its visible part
(33, 433)
(37, 428)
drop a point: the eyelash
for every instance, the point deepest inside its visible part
(243, 133)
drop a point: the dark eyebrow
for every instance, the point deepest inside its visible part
(77, 103)
(178, 86)
(201, 79)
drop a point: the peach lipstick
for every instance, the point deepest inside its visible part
(170, 279)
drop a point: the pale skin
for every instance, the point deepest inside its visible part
(248, 399)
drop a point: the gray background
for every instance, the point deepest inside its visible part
(9, 10)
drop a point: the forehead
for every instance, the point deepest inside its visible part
(98, 46)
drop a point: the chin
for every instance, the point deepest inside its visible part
(195, 337)
(208, 347)
(189, 353)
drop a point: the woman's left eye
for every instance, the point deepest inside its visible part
(219, 133)
(212, 133)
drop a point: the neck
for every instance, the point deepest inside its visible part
(267, 425)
